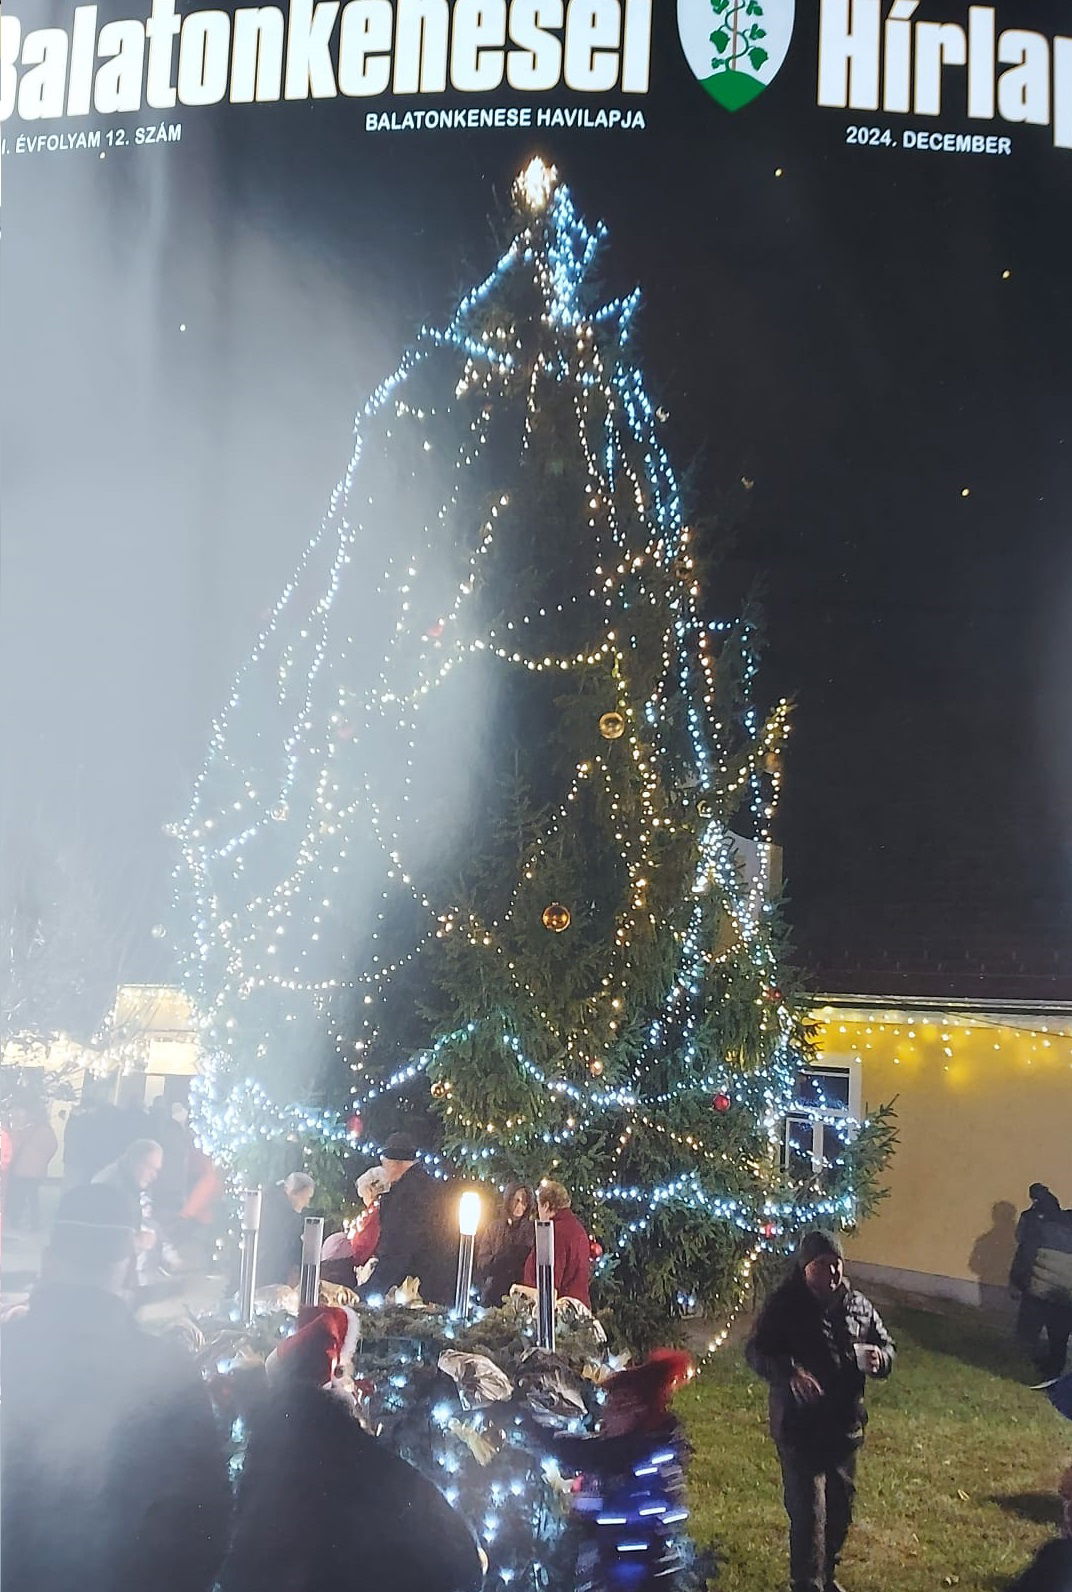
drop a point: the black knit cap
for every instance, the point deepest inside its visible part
(92, 1226)
(816, 1244)
(400, 1147)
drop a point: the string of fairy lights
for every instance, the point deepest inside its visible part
(290, 800)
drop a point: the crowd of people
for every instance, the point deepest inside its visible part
(148, 1155)
(114, 1464)
(111, 1430)
(409, 1228)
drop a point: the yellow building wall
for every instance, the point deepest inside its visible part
(984, 1108)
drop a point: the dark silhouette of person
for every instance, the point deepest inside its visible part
(323, 1504)
(504, 1244)
(113, 1473)
(1041, 1273)
(418, 1227)
(993, 1250)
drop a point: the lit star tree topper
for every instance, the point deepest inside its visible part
(484, 831)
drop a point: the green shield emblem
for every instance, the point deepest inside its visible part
(735, 47)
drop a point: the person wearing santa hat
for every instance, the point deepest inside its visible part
(629, 1503)
(319, 1496)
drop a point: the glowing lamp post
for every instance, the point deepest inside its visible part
(468, 1222)
(247, 1277)
(311, 1245)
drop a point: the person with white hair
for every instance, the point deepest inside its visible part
(282, 1217)
(352, 1265)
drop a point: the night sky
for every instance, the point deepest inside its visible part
(842, 335)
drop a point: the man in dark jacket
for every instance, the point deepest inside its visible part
(815, 1341)
(418, 1228)
(132, 1175)
(1042, 1274)
(280, 1239)
(114, 1476)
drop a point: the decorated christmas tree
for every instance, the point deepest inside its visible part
(483, 840)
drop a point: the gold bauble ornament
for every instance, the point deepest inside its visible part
(556, 917)
(612, 726)
(772, 762)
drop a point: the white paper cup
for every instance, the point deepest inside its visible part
(863, 1355)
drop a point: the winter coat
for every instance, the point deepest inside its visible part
(323, 1505)
(32, 1151)
(1028, 1237)
(366, 1237)
(418, 1237)
(1050, 1277)
(206, 1188)
(114, 1476)
(138, 1201)
(94, 1137)
(630, 1498)
(139, 1211)
(342, 1257)
(280, 1239)
(794, 1330)
(177, 1142)
(501, 1256)
(573, 1259)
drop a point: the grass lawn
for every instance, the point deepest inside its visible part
(957, 1480)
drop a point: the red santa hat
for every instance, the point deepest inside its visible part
(654, 1383)
(326, 1339)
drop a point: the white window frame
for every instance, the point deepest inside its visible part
(844, 1065)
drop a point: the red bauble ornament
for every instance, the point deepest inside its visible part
(769, 1230)
(355, 1124)
(434, 632)
(774, 996)
(722, 1102)
(595, 1248)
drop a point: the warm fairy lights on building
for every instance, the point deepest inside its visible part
(962, 1045)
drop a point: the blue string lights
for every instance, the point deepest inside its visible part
(310, 861)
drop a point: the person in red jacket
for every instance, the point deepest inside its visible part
(33, 1146)
(342, 1266)
(573, 1247)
